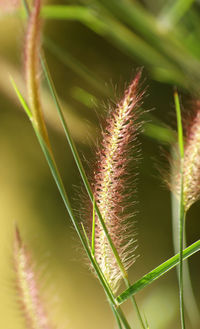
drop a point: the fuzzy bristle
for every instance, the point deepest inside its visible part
(27, 288)
(111, 181)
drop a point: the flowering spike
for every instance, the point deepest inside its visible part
(27, 288)
(32, 47)
(111, 181)
(191, 167)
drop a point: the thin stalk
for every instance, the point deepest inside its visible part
(116, 317)
(181, 205)
(122, 318)
(26, 6)
(189, 298)
(157, 272)
(135, 306)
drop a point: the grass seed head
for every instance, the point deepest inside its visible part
(191, 166)
(111, 181)
(27, 287)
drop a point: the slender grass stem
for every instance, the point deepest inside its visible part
(116, 317)
(181, 205)
(189, 299)
(135, 306)
(123, 318)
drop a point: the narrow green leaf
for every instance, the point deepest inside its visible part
(117, 33)
(78, 67)
(21, 99)
(179, 125)
(157, 272)
(160, 133)
(85, 234)
(181, 204)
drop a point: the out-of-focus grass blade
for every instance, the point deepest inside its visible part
(173, 11)
(21, 99)
(75, 65)
(166, 43)
(157, 272)
(181, 218)
(66, 12)
(160, 133)
(109, 28)
(179, 124)
(82, 96)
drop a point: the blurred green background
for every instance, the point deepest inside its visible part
(93, 49)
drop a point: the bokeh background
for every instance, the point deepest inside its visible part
(93, 49)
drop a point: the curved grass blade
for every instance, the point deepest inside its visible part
(181, 205)
(158, 272)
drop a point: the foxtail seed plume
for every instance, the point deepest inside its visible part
(111, 181)
(32, 59)
(191, 166)
(27, 288)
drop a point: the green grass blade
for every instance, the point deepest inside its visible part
(174, 10)
(189, 297)
(116, 318)
(106, 26)
(75, 65)
(85, 235)
(167, 44)
(158, 132)
(21, 99)
(181, 204)
(158, 272)
(179, 125)
(66, 12)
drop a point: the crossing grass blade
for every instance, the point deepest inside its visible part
(158, 272)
